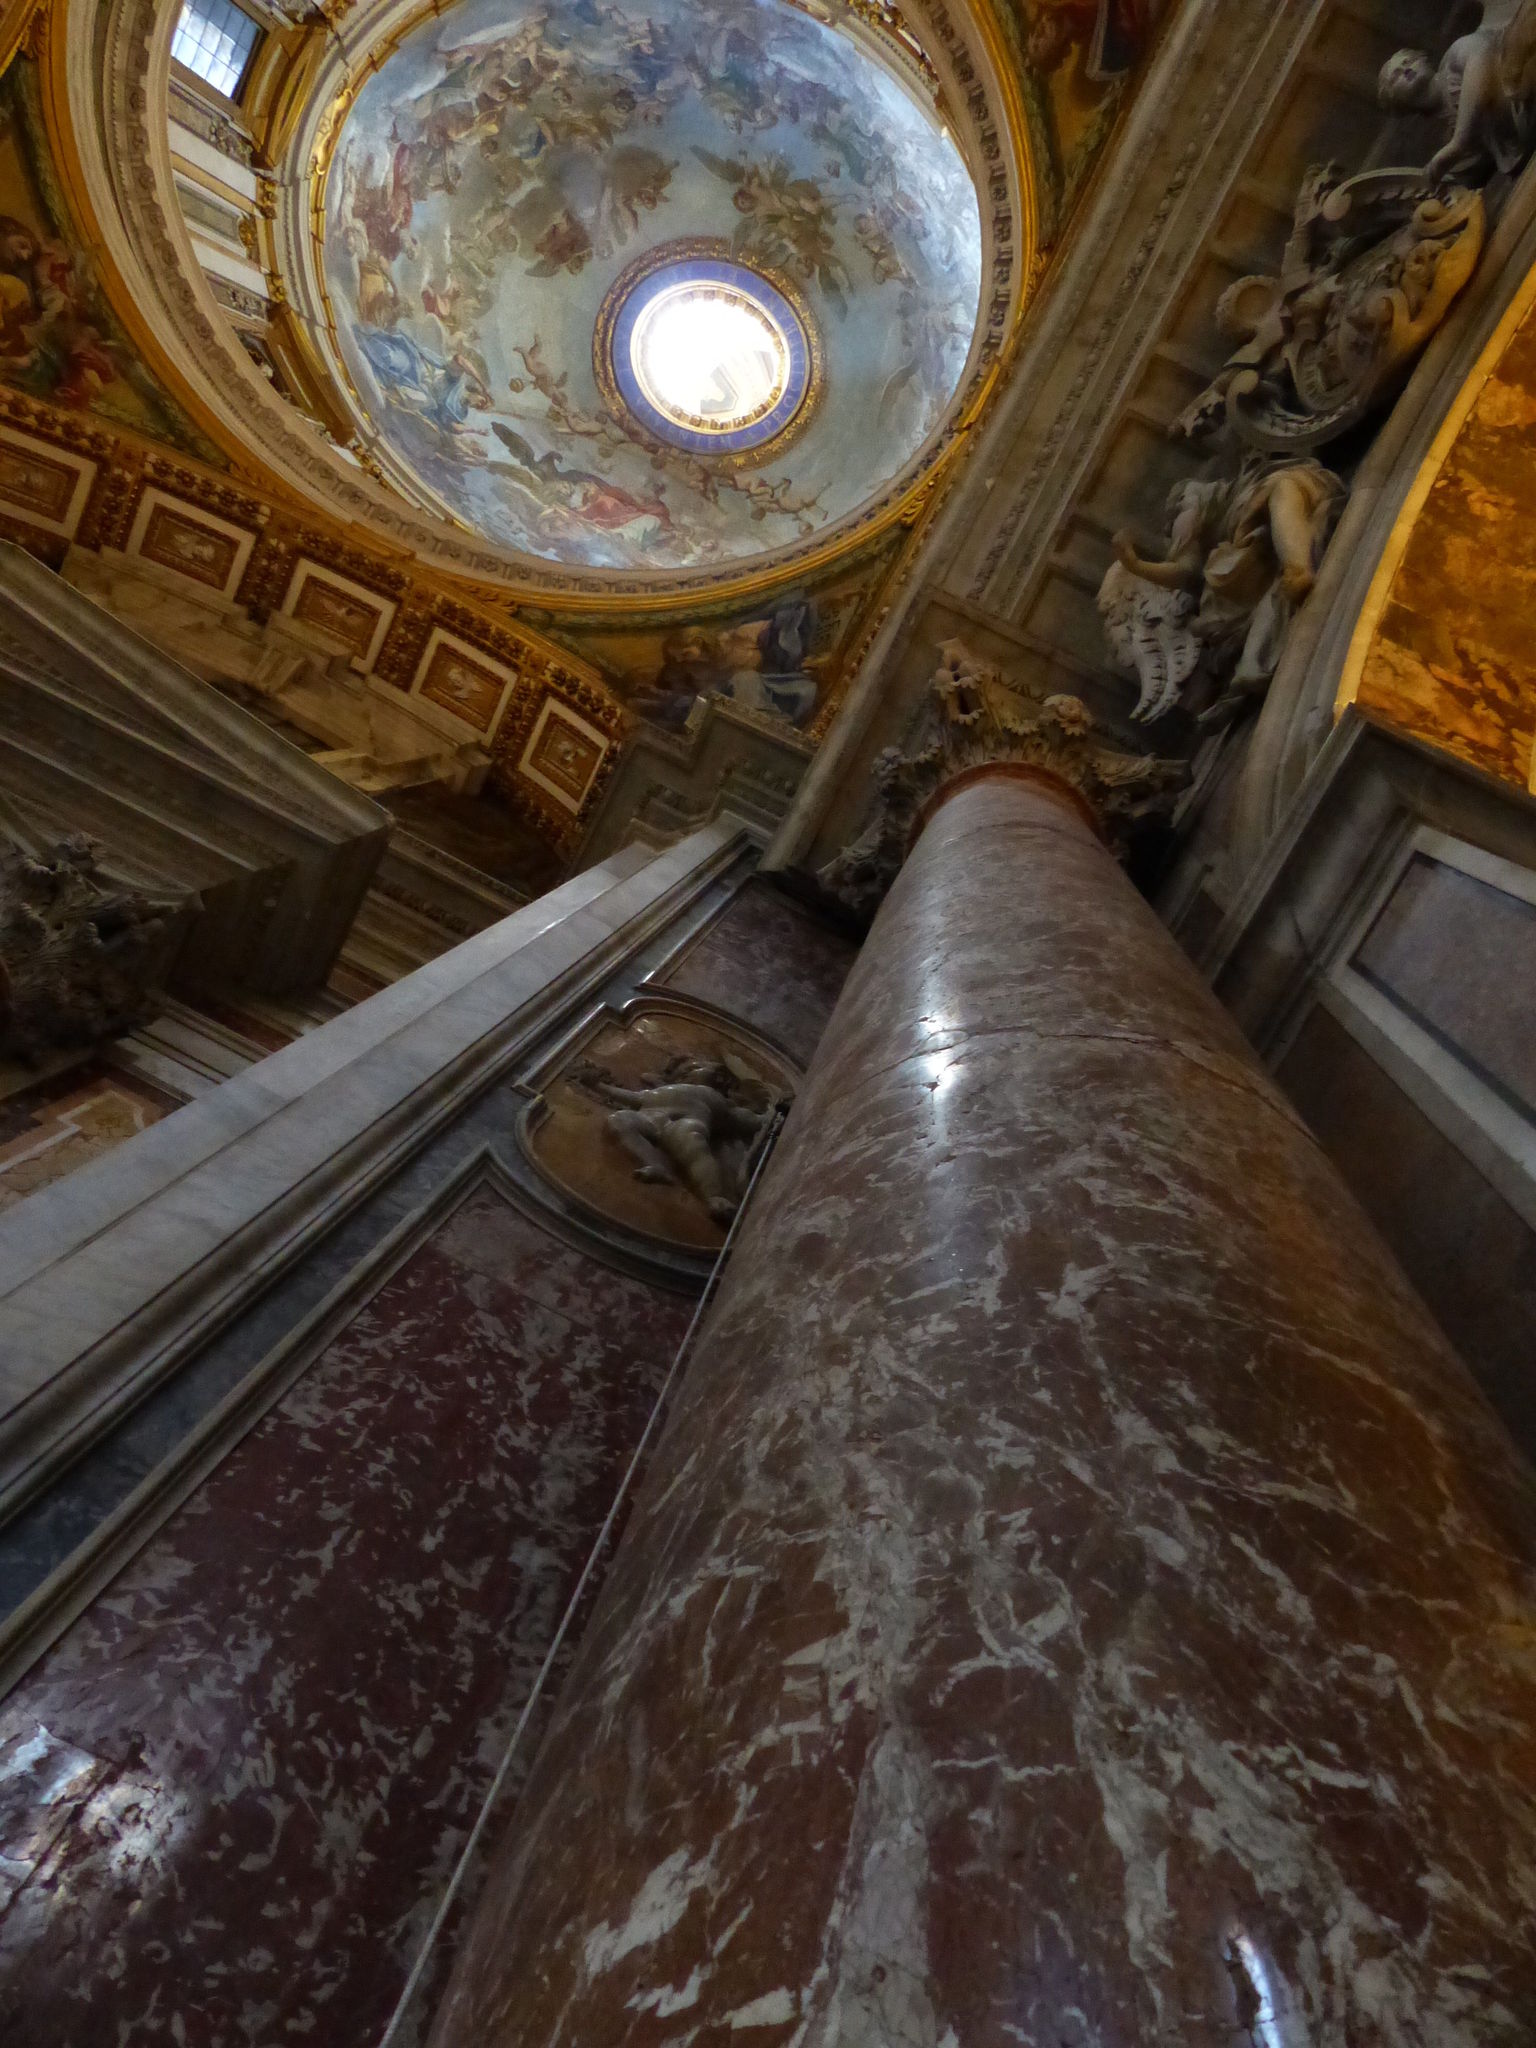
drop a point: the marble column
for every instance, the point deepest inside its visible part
(1078, 1598)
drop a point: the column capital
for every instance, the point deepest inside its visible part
(975, 719)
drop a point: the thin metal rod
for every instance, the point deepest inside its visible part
(391, 2035)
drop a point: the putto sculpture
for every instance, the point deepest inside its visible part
(975, 718)
(1373, 265)
(1483, 90)
(79, 960)
(699, 1124)
(1241, 555)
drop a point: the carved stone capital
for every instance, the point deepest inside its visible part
(975, 719)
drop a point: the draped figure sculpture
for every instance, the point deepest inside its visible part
(1484, 88)
(1241, 556)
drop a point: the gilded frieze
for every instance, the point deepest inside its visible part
(1446, 650)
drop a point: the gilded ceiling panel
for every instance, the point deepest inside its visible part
(1447, 649)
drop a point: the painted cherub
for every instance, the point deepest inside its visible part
(1484, 86)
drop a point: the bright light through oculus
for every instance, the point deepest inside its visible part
(705, 353)
(709, 357)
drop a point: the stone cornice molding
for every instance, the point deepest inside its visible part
(121, 143)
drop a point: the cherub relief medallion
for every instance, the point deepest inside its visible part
(657, 1120)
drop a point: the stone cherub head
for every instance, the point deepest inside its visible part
(1409, 83)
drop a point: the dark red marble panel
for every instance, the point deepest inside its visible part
(1079, 1600)
(231, 1796)
(771, 963)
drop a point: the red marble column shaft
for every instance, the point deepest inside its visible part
(1078, 1599)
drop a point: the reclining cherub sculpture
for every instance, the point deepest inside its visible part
(699, 1124)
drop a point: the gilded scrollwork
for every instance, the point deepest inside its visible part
(1373, 265)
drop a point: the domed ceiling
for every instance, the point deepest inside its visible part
(647, 284)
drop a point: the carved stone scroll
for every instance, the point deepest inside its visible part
(78, 960)
(1373, 265)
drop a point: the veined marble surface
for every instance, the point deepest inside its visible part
(233, 1794)
(1079, 1600)
(771, 962)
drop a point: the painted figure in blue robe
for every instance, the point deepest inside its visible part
(443, 393)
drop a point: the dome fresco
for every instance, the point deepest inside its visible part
(508, 169)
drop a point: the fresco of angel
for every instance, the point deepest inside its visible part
(492, 191)
(382, 204)
(45, 325)
(765, 665)
(598, 499)
(787, 223)
(443, 393)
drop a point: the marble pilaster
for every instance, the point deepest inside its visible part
(1079, 1598)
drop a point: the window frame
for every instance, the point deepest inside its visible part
(203, 10)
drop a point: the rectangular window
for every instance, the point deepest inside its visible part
(216, 39)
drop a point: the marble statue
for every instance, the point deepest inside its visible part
(1373, 265)
(699, 1124)
(1242, 555)
(78, 960)
(1151, 630)
(1483, 89)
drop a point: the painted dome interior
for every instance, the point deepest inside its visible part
(513, 187)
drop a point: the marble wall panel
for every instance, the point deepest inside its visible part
(1470, 1255)
(773, 964)
(1458, 956)
(232, 1795)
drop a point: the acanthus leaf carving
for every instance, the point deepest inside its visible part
(975, 718)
